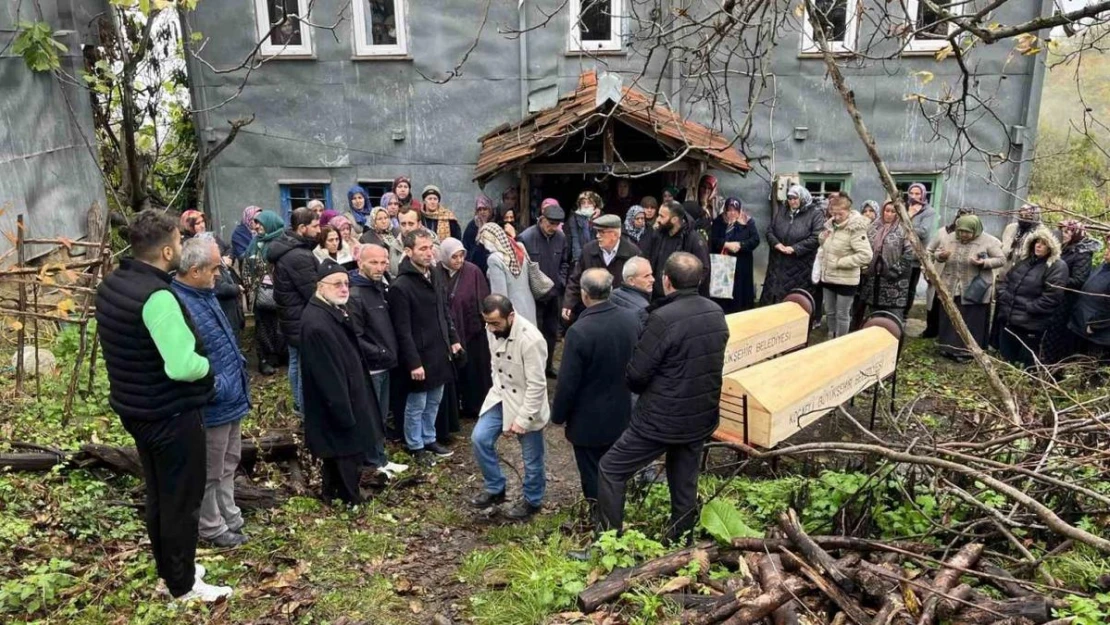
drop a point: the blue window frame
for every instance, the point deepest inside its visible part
(294, 196)
(376, 189)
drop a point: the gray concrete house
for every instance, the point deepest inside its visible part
(47, 172)
(395, 88)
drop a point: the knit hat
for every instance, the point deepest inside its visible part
(327, 268)
(430, 189)
(448, 248)
(327, 216)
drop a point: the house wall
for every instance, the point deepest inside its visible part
(332, 117)
(47, 172)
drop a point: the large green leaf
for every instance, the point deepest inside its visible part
(722, 521)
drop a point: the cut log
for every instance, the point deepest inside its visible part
(255, 498)
(621, 581)
(1037, 610)
(770, 576)
(845, 602)
(30, 461)
(954, 602)
(760, 607)
(772, 545)
(1003, 580)
(688, 601)
(946, 579)
(817, 557)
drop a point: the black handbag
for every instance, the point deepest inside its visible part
(264, 298)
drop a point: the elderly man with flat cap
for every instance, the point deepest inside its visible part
(610, 251)
(547, 245)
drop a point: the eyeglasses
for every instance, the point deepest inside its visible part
(339, 284)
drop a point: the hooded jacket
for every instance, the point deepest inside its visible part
(294, 280)
(1031, 292)
(369, 310)
(845, 250)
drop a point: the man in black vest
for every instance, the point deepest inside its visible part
(159, 383)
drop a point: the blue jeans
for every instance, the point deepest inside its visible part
(380, 384)
(420, 417)
(295, 379)
(484, 440)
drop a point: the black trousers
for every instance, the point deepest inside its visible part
(915, 277)
(340, 476)
(632, 452)
(172, 452)
(548, 316)
(1019, 346)
(588, 460)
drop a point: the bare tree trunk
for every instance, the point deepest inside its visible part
(927, 268)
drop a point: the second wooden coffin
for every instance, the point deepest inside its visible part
(758, 334)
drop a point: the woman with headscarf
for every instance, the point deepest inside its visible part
(1077, 253)
(268, 341)
(734, 234)
(670, 194)
(923, 218)
(436, 217)
(380, 232)
(392, 207)
(1029, 297)
(507, 219)
(483, 214)
(359, 201)
(466, 288)
(326, 216)
(330, 245)
(870, 210)
(508, 270)
(347, 233)
(970, 258)
(886, 281)
(242, 235)
(792, 237)
(1013, 235)
(710, 202)
(402, 189)
(635, 224)
(941, 239)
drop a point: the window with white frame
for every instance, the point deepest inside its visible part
(596, 25)
(928, 30)
(281, 29)
(379, 28)
(839, 19)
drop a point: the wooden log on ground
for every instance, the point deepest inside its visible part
(30, 461)
(770, 576)
(986, 611)
(954, 602)
(946, 579)
(877, 580)
(621, 581)
(760, 607)
(817, 557)
(772, 545)
(1003, 580)
(846, 603)
(255, 498)
(892, 607)
(689, 601)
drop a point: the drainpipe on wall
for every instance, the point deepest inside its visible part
(200, 120)
(522, 26)
(1032, 113)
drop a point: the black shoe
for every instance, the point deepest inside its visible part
(486, 499)
(438, 450)
(551, 373)
(227, 540)
(521, 511)
(266, 368)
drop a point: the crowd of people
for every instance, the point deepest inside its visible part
(394, 323)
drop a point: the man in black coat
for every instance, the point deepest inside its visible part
(676, 370)
(591, 398)
(370, 314)
(610, 251)
(294, 285)
(426, 341)
(340, 413)
(674, 232)
(634, 294)
(547, 245)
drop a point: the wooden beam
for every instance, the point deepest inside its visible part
(524, 201)
(608, 144)
(634, 167)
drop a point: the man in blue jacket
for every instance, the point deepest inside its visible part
(221, 523)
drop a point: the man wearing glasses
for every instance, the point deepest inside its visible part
(339, 409)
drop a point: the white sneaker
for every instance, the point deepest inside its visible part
(200, 571)
(205, 592)
(198, 574)
(393, 468)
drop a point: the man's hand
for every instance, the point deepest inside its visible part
(566, 314)
(516, 429)
(418, 374)
(456, 348)
(788, 250)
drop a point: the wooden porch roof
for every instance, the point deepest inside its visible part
(512, 145)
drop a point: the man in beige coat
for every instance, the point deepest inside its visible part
(517, 403)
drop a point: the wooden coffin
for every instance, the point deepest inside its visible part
(792, 391)
(758, 334)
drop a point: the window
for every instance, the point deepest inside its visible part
(376, 189)
(596, 25)
(294, 195)
(931, 182)
(821, 185)
(280, 27)
(839, 19)
(928, 30)
(379, 28)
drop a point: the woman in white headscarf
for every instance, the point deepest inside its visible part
(792, 237)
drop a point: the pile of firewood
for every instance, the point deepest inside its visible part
(796, 579)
